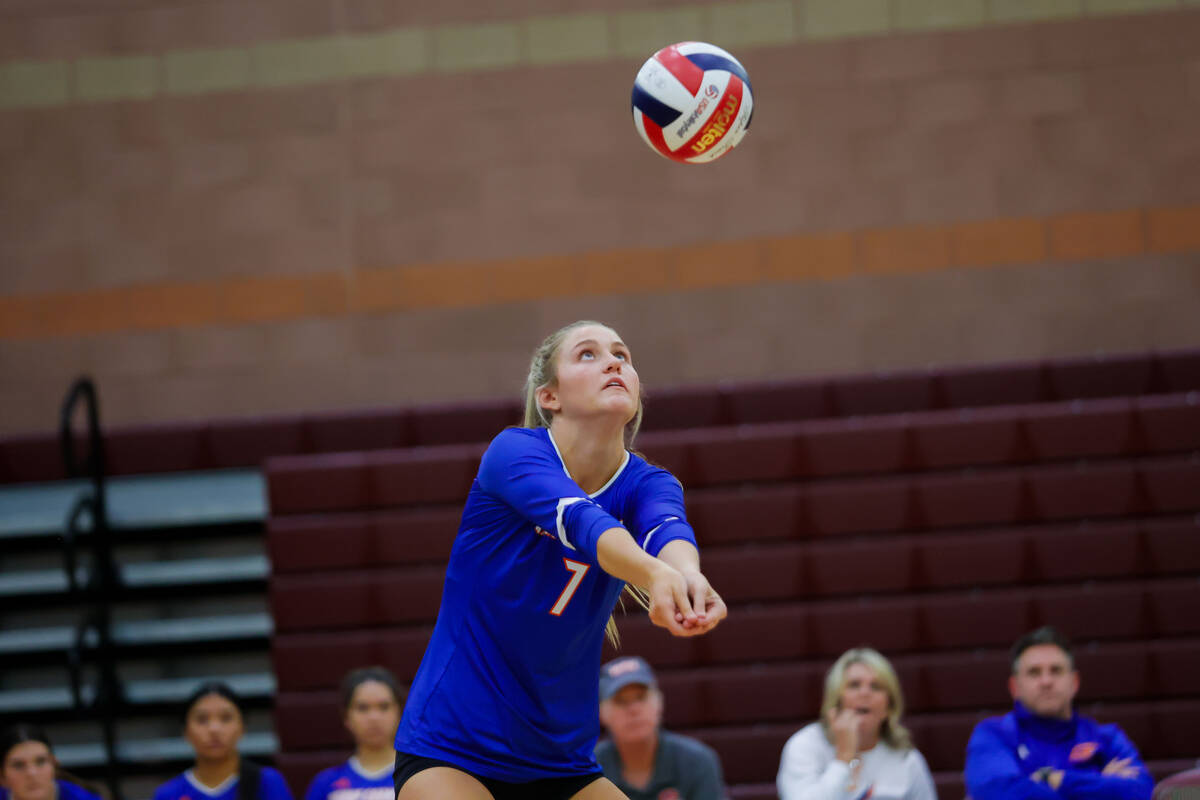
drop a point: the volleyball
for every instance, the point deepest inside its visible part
(692, 102)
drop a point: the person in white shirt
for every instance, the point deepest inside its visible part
(858, 749)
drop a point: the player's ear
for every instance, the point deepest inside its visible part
(547, 398)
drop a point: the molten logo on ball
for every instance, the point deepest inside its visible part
(717, 127)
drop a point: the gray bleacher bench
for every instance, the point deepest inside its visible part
(75, 756)
(142, 633)
(149, 575)
(137, 692)
(213, 497)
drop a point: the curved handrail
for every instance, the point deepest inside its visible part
(103, 580)
(71, 531)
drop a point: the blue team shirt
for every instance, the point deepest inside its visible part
(66, 791)
(184, 786)
(508, 686)
(349, 781)
(1004, 751)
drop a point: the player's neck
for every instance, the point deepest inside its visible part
(591, 454)
(214, 773)
(373, 759)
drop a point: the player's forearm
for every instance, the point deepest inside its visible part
(682, 555)
(619, 555)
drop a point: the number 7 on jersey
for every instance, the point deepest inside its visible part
(577, 569)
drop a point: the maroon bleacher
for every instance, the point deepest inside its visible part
(248, 442)
(935, 515)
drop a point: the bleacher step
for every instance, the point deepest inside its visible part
(143, 633)
(139, 501)
(74, 756)
(149, 575)
(138, 692)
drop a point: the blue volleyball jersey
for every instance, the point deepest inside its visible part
(350, 781)
(184, 786)
(508, 686)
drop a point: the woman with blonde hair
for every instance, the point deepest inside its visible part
(859, 748)
(560, 517)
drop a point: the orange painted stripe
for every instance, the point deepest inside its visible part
(913, 249)
(1173, 230)
(1061, 238)
(998, 241)
(796, 258)
(1090, 236)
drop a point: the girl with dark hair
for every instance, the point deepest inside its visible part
(560, 518)
(29, 770)
(212, 725)
(371, 705)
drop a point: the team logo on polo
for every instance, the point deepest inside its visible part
(1082, 752)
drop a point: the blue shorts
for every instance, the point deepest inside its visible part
(545, 789)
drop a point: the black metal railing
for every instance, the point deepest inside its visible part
(93, 644)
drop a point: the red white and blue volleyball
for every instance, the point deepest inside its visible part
(692, 102)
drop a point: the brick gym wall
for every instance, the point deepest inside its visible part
(246, 207)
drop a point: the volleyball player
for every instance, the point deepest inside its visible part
(213, 725)
(371, 703)
(29, 770)
(560, 517)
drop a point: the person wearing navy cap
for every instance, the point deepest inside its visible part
(644, 761)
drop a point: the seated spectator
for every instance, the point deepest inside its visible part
(213, 725)
(29, 771)
(1043, 748)
(371, 705)
(644, 761)
(858, 748)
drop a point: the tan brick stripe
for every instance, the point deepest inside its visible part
(990, 243)
(590, 35)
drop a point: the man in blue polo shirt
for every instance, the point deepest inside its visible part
(1043, 749)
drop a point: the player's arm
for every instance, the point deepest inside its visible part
(620, 556)
(659, 511)
(519, 470)
(522, 472)
(708, 605)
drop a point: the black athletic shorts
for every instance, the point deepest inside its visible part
(546, 789)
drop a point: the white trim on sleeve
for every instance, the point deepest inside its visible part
(562, 506)
(654, 530)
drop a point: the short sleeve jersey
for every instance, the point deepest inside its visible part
(185, 786)
(508, 686)
(350, 781)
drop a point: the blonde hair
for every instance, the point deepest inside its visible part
(543, 372)
(892, 732)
